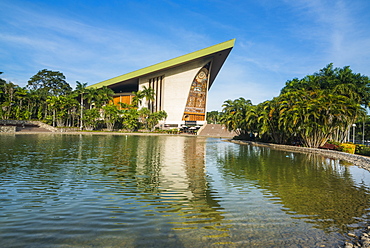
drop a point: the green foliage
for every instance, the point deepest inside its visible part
(238, 116)
(90, 118)
(214, 117)
(130, 119)
(49, 83)
(312, 110)
(363, 150)
(49, 98)
(336, 144)
(110, 115)
(154, 118)
(348, 148)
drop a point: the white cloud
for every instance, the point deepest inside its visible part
(66, 44)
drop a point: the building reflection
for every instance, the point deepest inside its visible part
(170, 180)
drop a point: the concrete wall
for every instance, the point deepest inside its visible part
(177, 82)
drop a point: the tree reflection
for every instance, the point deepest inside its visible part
(311, 187)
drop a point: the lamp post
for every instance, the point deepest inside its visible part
(363, 132)
(354, 126)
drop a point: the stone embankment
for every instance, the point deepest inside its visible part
(10, 126)
(362, 241)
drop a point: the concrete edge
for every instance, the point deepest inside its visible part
(357, 160)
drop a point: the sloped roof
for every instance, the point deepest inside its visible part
(223, 49)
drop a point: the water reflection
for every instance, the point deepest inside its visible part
(158, 191)
(319, 190)
(147, 191)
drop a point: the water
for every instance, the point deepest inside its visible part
(172, 191)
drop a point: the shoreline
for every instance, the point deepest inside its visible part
(97, 133)
(357, 160)
(355, 241)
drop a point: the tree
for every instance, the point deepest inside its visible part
(130, 119)
(234, 116)
(90, 118)
(268, 121)
(103, 96)
(138, 98)
(2, 83)
(342, 81)
(90, 97)
(49, 83)
(149, 96)
(110, 115)
(81, 90)
(155, 117)
(8, 104)
(144, 114)
(213, 117)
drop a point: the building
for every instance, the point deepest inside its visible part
(181, 84)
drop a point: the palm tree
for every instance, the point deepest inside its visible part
(90, 96)
(110, 115)
(234, 115)
(213, 117)
(104, 96)
(149, 95)
(268, 115)
(154, 118)
(52, 102)
(81, 90)
(138, 98)
(9, 91)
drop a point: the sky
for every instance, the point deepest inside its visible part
(276, 40)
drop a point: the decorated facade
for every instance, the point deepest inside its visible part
(180, 85)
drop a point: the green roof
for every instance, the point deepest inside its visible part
(168, 63)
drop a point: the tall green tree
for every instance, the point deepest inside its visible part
(111, 115)
(154, 118)
(149, 95)
(90, 118)
(103, 96)
(234, 116)
(49, 83)
(342, 81)
(214, 117)
(81, 91)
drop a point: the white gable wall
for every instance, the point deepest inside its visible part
(177, 82)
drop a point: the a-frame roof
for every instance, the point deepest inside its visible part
(223, 50)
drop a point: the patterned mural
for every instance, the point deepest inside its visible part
(196, 104)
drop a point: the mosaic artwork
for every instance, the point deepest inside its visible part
(196, 103)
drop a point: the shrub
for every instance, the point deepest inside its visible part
(348, 147)
(363, 150)
(330, 147)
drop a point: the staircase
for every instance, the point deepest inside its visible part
(216, 130)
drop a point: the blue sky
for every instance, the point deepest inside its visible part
(94, 40)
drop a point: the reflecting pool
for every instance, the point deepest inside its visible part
(173, 191)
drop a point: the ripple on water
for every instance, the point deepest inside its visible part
(108, 191)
